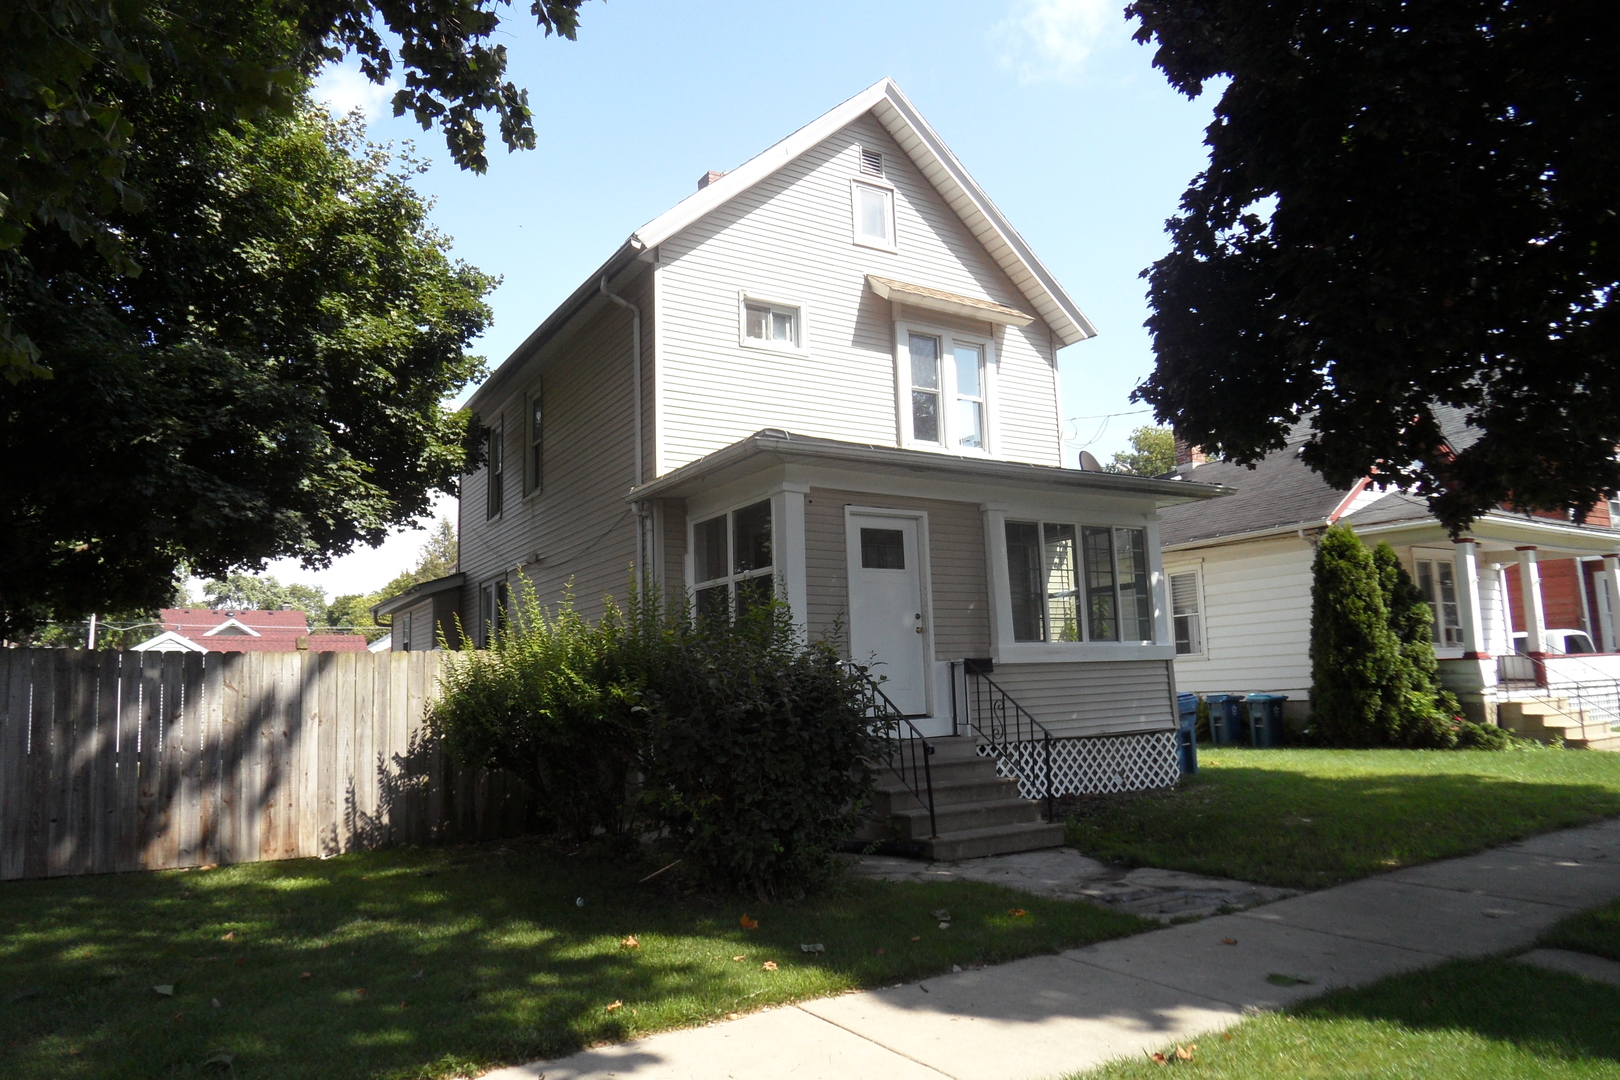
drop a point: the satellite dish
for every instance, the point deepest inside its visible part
(1089, 462)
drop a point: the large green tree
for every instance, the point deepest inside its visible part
(271, 386)
(1406, 204)
(1152, 453)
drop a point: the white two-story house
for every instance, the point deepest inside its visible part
(831, 375)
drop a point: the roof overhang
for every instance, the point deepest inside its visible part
(1508, 529)
(766, 448)
(921, 296)
(417, 593)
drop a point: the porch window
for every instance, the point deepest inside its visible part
(1074, 583)
(1186, 613)
(1437, 580)
(732, 561)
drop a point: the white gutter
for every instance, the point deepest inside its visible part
(635, 368)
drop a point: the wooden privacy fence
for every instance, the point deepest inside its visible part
(143, 761)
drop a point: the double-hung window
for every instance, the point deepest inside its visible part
(1186, 613)
(1073, 582)
(495, 492)
(536, 427)
(772, 326)
(492, 604)
(1437, 580)
(732, 561)
(948, 402)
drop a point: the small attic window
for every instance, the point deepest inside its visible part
(871, 162)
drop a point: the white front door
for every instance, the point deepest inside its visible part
(887, 620)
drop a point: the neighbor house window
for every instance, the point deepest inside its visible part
(874, 214)
(1186, 614)
(495, 493)
(771, 325)
(949, 404)
(536, 427)
(1078, 582)
(492, 603)
(732, 561)
(404, 632)
(1437, 580)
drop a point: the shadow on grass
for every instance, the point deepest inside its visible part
(426, 963)
(1291, 828)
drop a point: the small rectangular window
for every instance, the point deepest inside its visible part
(536, 427)
(924, 352)
(495, 493)
(404, 621)
(883, 549)
(1184, 611)
(771, 325)
(874, 215)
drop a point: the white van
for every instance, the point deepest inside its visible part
(1559, 642)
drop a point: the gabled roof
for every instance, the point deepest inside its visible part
(169, 641)
(926, 149)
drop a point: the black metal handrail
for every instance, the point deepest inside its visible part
(905, 750)
(1003, 724)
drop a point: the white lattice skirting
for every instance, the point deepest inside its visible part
(1095, 766)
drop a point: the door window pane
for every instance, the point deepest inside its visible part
(1135, 579)
(1102, 605)
(752, 532)
(1024, 577)
(1062, 610)
(709, 557)
(883, 549)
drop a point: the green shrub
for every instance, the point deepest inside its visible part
(1353, 650)
(1427, 716)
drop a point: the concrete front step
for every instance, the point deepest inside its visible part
(998, 840)
(1609, 743)
(897, 798)
(913, 824)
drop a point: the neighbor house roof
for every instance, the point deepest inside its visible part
(921, 144)
(248, 631)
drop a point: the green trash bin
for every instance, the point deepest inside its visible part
(1266, 719)
(1225, 719)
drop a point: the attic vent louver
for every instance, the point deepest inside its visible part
(871, 162)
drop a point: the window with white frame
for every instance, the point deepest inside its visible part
(1073, 582)
(873, 208)
(772, 326)
(732, 561)
(1614, 513)
(492, 605)
(948, 403)
(1437, 580)
(495, 481)
(1186, 613)
(533, 459)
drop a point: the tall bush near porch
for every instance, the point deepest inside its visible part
(1353, 651)
(1424, 714)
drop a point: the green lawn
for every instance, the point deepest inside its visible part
(432, 962)
(1314, 818)
(1467, 1020)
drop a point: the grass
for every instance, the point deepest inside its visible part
(1596, 932)
(1314, 818)
(433, 963)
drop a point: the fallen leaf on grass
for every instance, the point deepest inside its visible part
(630, 942)
(419, 973)
(916, 938)
(1017, 912)
(214, 1002)
(220, 1057)
(769, 965)
(1185, 1053)
(735, 959)
(615, 1005)
(167, 989)
(880, 951)
(733, 1016)
(305, 975)
(229, 937)
(749, 924)
(73, 1052)
(944, 926)
(1227, 1036)
(1158, 1058)
(360, 992)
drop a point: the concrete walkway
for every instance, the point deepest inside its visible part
(1051, 1015)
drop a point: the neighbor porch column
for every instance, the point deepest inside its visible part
(1611, 581)
(1466, 565)
(1535, 616)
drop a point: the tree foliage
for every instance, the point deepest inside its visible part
(72, 73)
(262, 592)
(1152, 453)
(1406, 204)
(273, 388)
(438, 559)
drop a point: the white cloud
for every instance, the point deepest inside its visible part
(343, 88)
(1052, 40)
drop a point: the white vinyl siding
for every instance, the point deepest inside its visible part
(788, 237)
(1256, 619)
(1092, 697)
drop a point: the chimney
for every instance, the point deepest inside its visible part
(708, 178)
(1187, 454)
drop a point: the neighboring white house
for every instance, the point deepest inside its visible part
(831, 374)
(1240, 582)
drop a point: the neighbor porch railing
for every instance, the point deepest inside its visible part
(1586, 686)
(905, 750)
(1015, 738)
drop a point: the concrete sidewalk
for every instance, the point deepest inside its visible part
(1051, 1015)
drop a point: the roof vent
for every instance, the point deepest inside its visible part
(871, 162)
(708, 178)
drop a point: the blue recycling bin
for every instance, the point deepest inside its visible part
(1225, 719)
(1266, 719)
(1187, 733)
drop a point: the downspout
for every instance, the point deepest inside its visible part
(635, 367)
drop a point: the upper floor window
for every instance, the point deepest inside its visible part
(947, 406)
(775, 326)
(873, 206)
(495, 490)
(732, 561)
(1075, 583)
(536, 427)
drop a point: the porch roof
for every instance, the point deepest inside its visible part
(775, 447)
(1403, 519)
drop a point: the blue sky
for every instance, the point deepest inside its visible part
(1048, 103)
